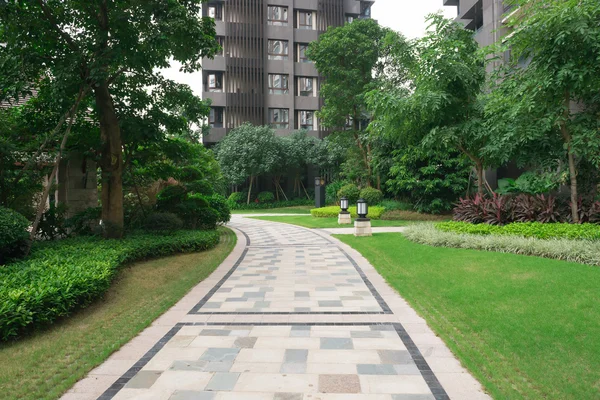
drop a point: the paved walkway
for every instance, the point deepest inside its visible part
(292, 314)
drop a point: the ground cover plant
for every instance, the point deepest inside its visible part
(44, 365)
(525, 327)
(324, 223)
(526, 229)
(59, 277)
(581, 251)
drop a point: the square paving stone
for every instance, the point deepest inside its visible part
(288, 396)
(395, 356)
(330, 303)
(220, 354)
(215, 332)
(375, 369)
(245, 342)
(295, 356)
(190, 395)
(337, 344)
(143, 380)
(339, 384)
(223, 381)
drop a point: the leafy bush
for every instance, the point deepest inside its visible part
(86, 222)
(191, 211)
(170, 198)
(162, 223)
(13, 234)
(395, 205)
(351, 192)
(64, 275)
(371, 195)
(581, 251)
(266, 197)
(526, 229)
(432, 181)
(238, 197)
(199, 187)
(220, 205)
(375, 212)
(530, 183)
(331, 192)
(267, 206)
(53, 223)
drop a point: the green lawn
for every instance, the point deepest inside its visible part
(46, 364)
(286, 210)
(526, 327)
(312, 222)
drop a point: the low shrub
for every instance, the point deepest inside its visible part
(218, 203)
(13, 234)
(267, 206)
(59, 277)
(581, 251)
(393, 205)
(371, 195)
(400, 215)
(266, 197)
(349, 191)
(192, 211)
(331, 192)
(86, 222)
(170, 197)
(162, 223)
(375, 212)
(238, 197)
(527, 229)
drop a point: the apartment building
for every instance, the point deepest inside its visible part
(263, 76)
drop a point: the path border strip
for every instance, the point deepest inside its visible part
(385, 309)
(428, 375)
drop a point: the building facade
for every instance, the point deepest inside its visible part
(263, 76)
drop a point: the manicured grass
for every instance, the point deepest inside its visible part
(312, 222)
(526, 327)
(46, 364)
(286, 210)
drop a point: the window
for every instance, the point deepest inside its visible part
(215, 11)
(278, 84)
(277, 15)
(350, 18)
(215, 82)
(302, 47)
(306, 87)
(279, 118)
(306, 120)
(221, 42)
(215, 118)
(306, 20)
(278, 49)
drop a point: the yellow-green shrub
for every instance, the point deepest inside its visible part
(333, 211)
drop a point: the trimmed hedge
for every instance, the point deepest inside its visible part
(371, 195)
(526, 229)
(349, 191)
(333, 211)
(266, 206)
(61, 276)
(580, 251)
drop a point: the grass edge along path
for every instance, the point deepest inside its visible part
(284, 210)
(526, 327)
(311, 222)
(46, 364)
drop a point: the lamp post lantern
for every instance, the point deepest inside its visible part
(362, 226)
(344, 217)
(319, 192)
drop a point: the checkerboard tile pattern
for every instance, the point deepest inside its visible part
(360, 362)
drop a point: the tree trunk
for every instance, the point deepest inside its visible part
(250, 189)
(111, 162)
(572, 167)
(479, 168)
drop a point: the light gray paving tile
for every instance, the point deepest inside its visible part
(220, 354)
(191, 395)
(295, 356)
(412, 396)
(223, 381)
(365, 334)
(288, 396)
(336, 344)
(395, 356)
(330, 303)
(407, 369)
(215, 332)
(143, 380)
(245, 342)
(293, 368)
(375, 369)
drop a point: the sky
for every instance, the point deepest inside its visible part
(404, 16)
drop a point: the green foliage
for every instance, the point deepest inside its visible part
(531, 183)
(371, 195)
(349, 191)
(218, 203)
(237, 197)
(86, 222)
(526, 229)
(53, 223)
(267, 206)
(266, 197)
(580, 251)
(170, 197)
(433, 181)
(331, 191)
(13, 234)
(396, 205)
(61, 276)
(162, 223)
(375, 212)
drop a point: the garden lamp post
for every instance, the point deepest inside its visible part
(319, 192)
(344, 217)
(362, 225)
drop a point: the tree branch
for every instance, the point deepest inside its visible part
(50, 17)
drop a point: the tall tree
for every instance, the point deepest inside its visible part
(351, 58)
(548, 92)
(102, 46)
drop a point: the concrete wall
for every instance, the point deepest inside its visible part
(77, 183)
